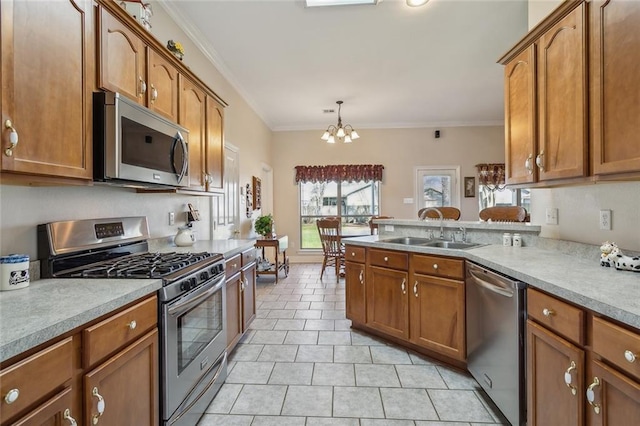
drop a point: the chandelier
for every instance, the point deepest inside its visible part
(347, 134)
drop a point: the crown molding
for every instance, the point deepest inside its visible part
(424, 125)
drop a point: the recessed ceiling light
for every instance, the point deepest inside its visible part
(317, 3)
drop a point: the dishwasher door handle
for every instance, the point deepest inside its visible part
(491, 287)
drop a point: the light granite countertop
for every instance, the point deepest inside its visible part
(607, 291)
(48, 308)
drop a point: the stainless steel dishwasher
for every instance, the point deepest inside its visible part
(496, 338)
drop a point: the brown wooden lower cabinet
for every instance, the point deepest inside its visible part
(355, 294)
(234, 310)
(551, 360)
(248, 295)
(241, 296)
(125, 387)
(387, 302)
(54, 411)
(615, 398)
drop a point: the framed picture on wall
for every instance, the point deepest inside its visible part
(257, 193)
(469, 187)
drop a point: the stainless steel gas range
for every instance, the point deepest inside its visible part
(192, 312)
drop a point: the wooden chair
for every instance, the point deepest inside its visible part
(504, 214)
(329, 230)
(450, 213)
(374, 226)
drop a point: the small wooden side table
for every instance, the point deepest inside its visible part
(280, 244)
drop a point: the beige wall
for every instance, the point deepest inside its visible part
(539, 9)
(23, 208)
(400, 151)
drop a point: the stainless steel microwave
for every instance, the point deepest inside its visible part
(133, 145)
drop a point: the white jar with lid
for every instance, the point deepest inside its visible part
(506, 239)
(517, 240)
(14, 271)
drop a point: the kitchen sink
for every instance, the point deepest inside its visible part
(426, 242)
(408, 241)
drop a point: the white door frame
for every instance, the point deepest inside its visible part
(455, 185)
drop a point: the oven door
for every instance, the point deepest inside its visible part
(194, 345)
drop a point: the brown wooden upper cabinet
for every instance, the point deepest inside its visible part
(46, 87)
(214, 159)
(130, 67)
(192, 116)
(545, 101)
(615, 86)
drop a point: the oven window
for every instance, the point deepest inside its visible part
(148, 148)
(198, 327)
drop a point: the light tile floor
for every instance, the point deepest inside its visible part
(301, 364)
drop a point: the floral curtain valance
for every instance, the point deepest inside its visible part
(491, 175)
(349, 173)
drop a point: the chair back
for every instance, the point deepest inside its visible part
(329, 230)
(451, 213)
(504, 214)
(374, 226)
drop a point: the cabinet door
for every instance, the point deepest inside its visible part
(520, 117)
(162, 93)
(387, 301)
(128, 385)
(549, 359)
(248, 296)
(437, 315)
(356, 301)
(55, 411)
(562, 143)
(47, 80)
(615, 86)
(234, 310)
(214, 156)
(192, 116)
(122, 59)
(615, 397)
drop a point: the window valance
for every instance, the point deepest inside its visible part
(348, 172)
(491, 175)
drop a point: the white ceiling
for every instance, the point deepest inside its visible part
(392, 65)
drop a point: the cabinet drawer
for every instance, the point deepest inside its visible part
(617, 345)
(556, 315)
(108, 336)
(355, 254)
(389, 259)
(35, 377)
(248, 257)
(438, 266)
(233, 265)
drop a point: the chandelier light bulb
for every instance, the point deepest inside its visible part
(354, 135)
(340, 132)
(331, 139)
(347, 139)
(344, 133)
(325, 136)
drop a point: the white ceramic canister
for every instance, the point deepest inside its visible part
(14, 271)
(506, 239)
(517, 240)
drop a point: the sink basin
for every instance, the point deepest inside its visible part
(426, 242)
(408, 241)
(451, 245)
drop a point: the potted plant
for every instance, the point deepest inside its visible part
(264, 225)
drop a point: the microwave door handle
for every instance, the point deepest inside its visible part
(185, 158)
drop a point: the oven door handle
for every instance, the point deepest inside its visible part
(190, 301)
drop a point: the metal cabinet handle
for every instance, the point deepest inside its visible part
(630, 356)
(13, 138)
(528, 164)
(435, 266)
(568, 379)
(154, 93)
(361, 277)
(591, 395)
(540, 160)
(67, 417)
(353, 254)
(99, 406)
(386, 259)
(415, 289)
(403, 286)
(132, 325)
(12, 396)
(143, 86)
(548, 312)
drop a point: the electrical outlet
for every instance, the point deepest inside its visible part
(552, 216)
(388, 228)
(172, 218)
(605, 220)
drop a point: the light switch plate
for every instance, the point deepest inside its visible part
(552, 216)
(407, 200)
(605, 220)
(388, 228)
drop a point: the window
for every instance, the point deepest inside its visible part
(488, 197)
(437, 187)
(353, 202)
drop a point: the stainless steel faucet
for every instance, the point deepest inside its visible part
(464, 233)
(424, 215)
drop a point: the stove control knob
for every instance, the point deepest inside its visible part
(184, 286)
(193, 283)
(204, 276)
